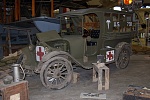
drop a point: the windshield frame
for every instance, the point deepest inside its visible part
(72, 18)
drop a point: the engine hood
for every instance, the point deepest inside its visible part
(48, 36)
(76, 45)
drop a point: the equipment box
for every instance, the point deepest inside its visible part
(136, 93)
(15, 91)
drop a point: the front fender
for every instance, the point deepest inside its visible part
(54, 54)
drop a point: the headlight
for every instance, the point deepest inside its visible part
(46, 50)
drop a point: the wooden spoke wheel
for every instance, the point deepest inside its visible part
(123, 58)
(56, 73)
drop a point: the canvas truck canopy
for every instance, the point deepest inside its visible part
(87, 11)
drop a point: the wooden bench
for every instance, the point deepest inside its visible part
(98, 69)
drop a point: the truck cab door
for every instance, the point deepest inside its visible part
(92, 24)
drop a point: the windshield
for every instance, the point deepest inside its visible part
(71, 25)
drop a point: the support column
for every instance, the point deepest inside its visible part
(4, 5)
(16, 10)
(1, 15)
(52, 8)
(33, 8)
(19, 17)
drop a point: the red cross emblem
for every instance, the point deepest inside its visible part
(39, 53)
(109, 55)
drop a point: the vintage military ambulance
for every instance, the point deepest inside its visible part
(86, 36)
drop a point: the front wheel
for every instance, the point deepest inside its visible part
(123, 58)
(56, 73)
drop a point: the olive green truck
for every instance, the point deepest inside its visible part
(86, 36)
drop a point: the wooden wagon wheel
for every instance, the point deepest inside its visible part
(56, 73)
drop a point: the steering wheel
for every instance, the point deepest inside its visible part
(85, 31)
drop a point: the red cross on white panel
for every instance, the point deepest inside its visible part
(40, 52)
(109, 56)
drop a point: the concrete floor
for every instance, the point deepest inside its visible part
(137, 73)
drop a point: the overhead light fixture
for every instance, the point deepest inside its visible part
(127, 2)
(117, 8)
(130, 5)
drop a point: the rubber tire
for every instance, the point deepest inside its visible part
(124, 54)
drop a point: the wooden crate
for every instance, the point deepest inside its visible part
(136, 93)
(15, 91)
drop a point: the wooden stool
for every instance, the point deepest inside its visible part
(98, 75)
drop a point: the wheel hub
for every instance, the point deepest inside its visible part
(57, 73)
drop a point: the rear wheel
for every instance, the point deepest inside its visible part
(123, 58)
(56, 73)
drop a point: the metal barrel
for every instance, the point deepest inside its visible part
(16, 72)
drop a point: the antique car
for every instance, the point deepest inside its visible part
(86, 36)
